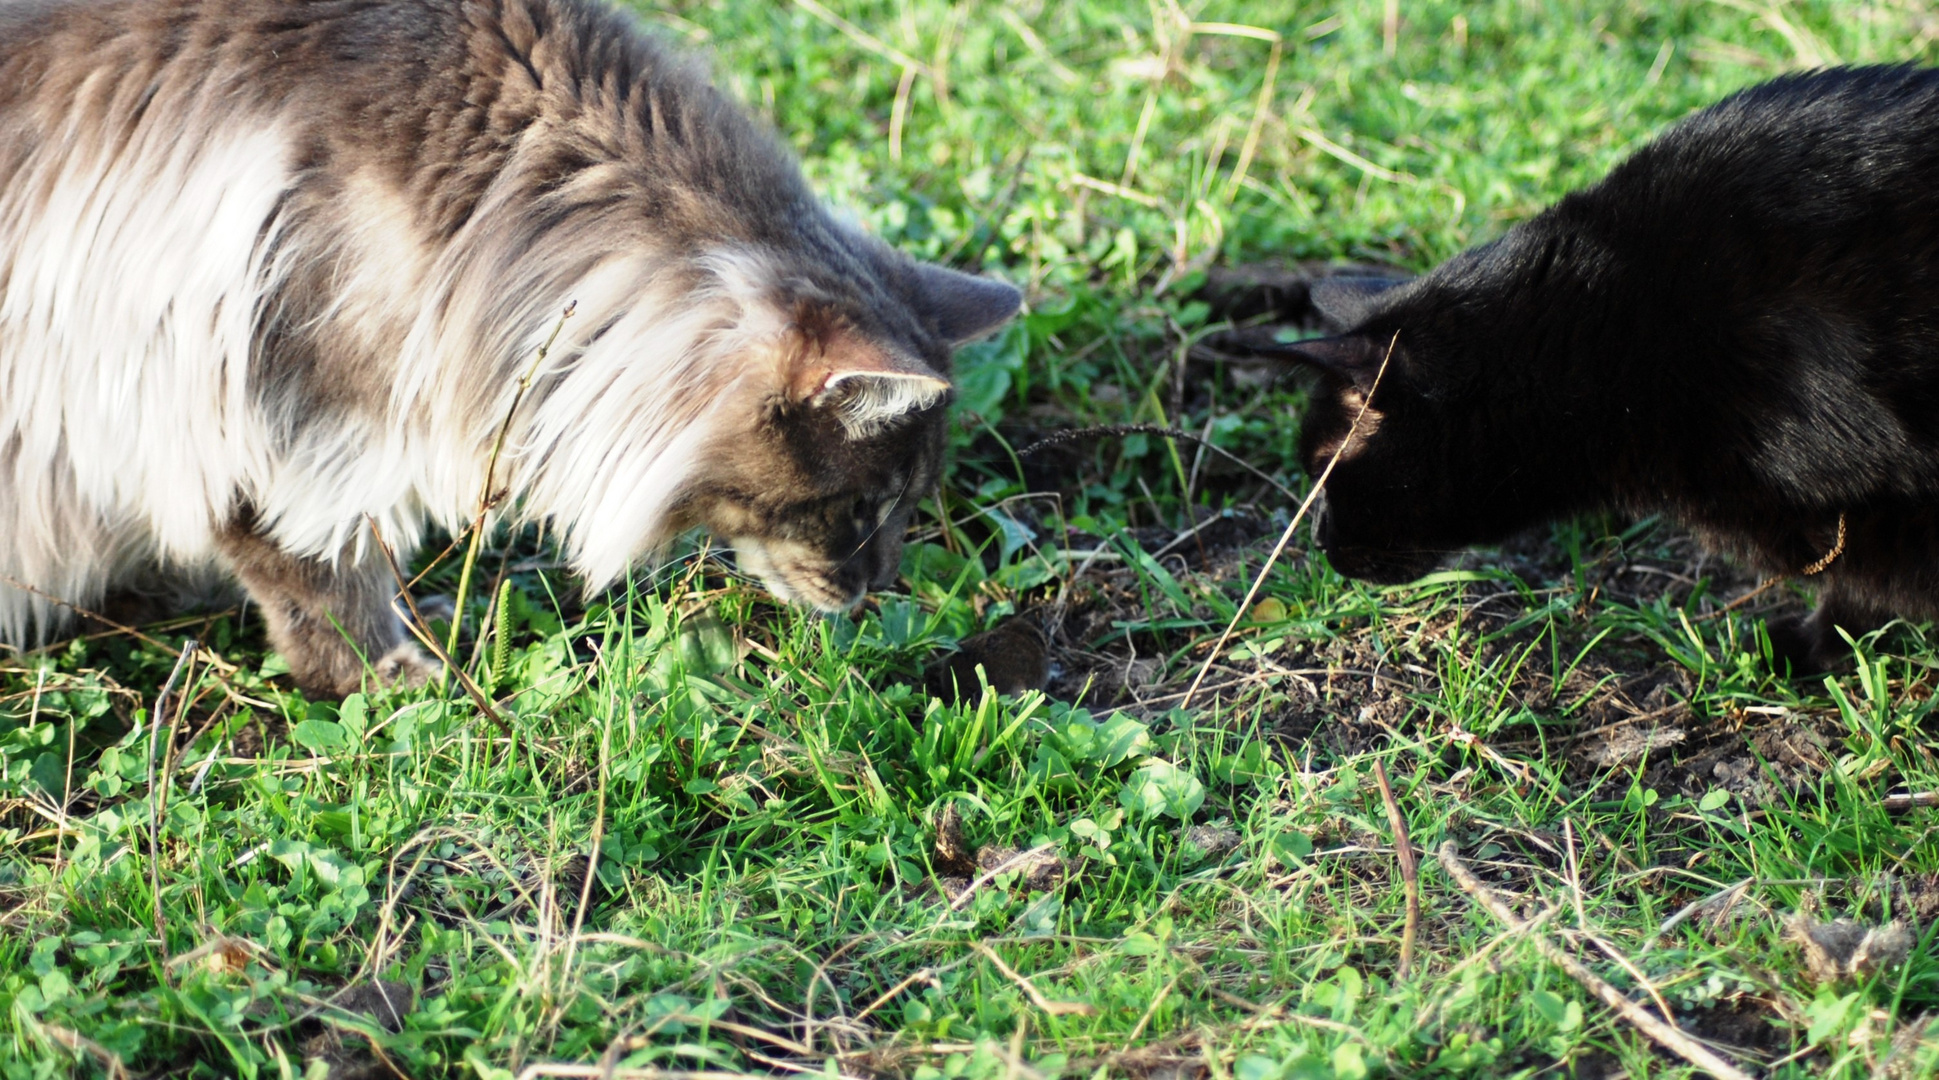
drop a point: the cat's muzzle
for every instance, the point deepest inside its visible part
(798, 574)
(1364, 562)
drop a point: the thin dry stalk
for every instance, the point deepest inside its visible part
(863, 38)
(154, 802)
(1410, 867)
(899, 113)
(1723, 897)
(1151, 1010)
(925, 975)
(119, 628)
(820, 978)
(1667, 1035)
(421, 630)
(592, 853)
(1036, 996)
(1911, 800)
(80, 1045)
(1286, 537)
(1262, 110)
(490, 497)
(600, 1072)
(1575, 878)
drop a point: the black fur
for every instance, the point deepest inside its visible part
(1738, 327)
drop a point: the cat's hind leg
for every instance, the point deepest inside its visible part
(332, 621)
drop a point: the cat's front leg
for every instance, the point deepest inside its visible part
(1810, 644)
(333, 622)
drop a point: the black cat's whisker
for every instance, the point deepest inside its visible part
(1286, 537)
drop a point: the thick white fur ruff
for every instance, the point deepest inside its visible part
(877, 399)
(131, 430)
(125, 323)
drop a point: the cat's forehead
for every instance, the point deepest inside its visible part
(819, 287)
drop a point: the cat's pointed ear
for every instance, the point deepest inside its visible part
(1344, 301)
(868, 385)
(965, 307)
(1356, 358)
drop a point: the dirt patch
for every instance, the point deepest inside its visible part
(1747, 1027)
(333, 1046)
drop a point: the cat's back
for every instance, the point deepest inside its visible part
(1790, 165)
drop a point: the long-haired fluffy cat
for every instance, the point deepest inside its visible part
(1738, 327)
(271, 268)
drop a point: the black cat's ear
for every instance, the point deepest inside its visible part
(1353, 357)
(1344, 301)
(964, 306)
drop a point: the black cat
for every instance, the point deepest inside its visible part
(1738, 327)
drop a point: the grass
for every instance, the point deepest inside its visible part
(712, 844)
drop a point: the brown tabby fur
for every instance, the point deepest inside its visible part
(272, 269)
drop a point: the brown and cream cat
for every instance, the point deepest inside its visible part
(271, 268)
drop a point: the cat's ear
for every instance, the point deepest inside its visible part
(1353, 357)
(1344, 301)
(965, 307)
(868, 385)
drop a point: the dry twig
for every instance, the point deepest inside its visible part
(421, 630)
(1036, 996)
(490, 497)
(1668, 1036)
(1410, 867)
(1723, 898)
(155, 721)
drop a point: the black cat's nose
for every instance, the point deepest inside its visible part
(1322, 524)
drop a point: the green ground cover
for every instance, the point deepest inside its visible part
(720, 836)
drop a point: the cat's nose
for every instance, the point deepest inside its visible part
(1322, 524)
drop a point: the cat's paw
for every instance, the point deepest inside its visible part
(1800, 647)
(406, 666)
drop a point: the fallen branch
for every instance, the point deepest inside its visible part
(1900, 803)
(1668, 1036)
(1410, 867)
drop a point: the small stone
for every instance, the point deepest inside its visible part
(1014, 656)
(1214, 841)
